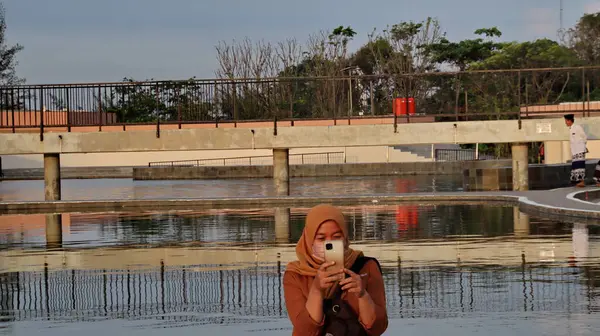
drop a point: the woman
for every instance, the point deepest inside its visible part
(317, 303)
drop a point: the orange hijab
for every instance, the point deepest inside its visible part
(306, 264)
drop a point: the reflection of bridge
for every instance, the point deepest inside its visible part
(466, 251)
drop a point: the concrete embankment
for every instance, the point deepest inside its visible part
(69, 173)
(318, 170)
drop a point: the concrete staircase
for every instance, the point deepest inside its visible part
(422, 151)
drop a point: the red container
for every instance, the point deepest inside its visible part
(401, 107)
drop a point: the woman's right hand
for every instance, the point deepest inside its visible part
(324, 279)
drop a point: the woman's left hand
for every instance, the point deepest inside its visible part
(353, 283)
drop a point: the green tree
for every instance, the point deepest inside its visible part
(8, 53)
(463, 53)
(8, 64)
(584, 38)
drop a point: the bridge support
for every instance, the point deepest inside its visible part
(52, 177)
(521, 223)
(54, 231)
(520, 167)
(281, 171)
(282, 225)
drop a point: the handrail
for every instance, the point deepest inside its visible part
(291, 78)
(199, 162)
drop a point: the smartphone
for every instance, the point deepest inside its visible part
(334, 251)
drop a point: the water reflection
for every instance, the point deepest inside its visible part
(468, 269)
(195, 295)
(382, 223)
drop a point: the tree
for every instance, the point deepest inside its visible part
(584, 38)
(461, 54)
(8, 61)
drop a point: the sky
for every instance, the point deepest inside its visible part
(74, 41)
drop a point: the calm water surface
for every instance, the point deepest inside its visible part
(129, 189)
(467, 270)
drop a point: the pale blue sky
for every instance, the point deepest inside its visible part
(106, 40)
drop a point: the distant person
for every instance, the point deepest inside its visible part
(316, 303)
(541, 154)
(578, 141)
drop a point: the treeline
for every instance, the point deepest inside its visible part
(322, 78)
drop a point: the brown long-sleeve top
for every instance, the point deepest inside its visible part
(296, 288)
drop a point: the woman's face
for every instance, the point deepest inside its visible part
(329, 230)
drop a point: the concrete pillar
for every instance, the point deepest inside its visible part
(520, 167)
(282, 225)
(521, 223)
(52, 177)
(553, 152)
(54, 231)
(281, 171)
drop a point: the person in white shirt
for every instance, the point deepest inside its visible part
(578, 142)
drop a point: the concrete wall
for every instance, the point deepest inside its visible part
(540, 177)
(560, 151)
(353, 155)
(372, 169)
(173, 139)
(69, 173)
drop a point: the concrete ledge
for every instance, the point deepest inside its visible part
(69, 173)
(542, 204)
(319, 170)
(540, 177)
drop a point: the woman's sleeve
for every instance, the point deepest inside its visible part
(295, 302)
(376, 289)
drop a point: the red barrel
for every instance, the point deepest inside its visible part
(400, 106)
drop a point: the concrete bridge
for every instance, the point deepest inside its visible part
(280, 139)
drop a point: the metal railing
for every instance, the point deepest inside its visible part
(444, 96)
(259, 160)
(223, 296)
(442, 154)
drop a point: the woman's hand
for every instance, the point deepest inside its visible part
(353, 283)
(325, 279)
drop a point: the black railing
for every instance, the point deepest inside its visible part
(258, 160)
(443, 96)
(461, 155)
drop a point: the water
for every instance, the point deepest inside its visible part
(129, 189)
(467, 270)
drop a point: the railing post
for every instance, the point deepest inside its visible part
(327, 158)
(42, 114)
(12, 107)
(68, 97)
(457, 94)
(588, 100)
(179, 106)
(99, 108)
(372, 98)
(302, 158)
(407, 98)
(583, 91)
(157, 114)
(235, 109)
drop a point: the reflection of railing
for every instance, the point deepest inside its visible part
(223, 296)
(263, 160)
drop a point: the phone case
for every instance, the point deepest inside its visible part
(335, 253)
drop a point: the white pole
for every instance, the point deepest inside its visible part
(433, 152)
(477, 151)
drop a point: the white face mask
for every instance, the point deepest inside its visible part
(319, 249)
